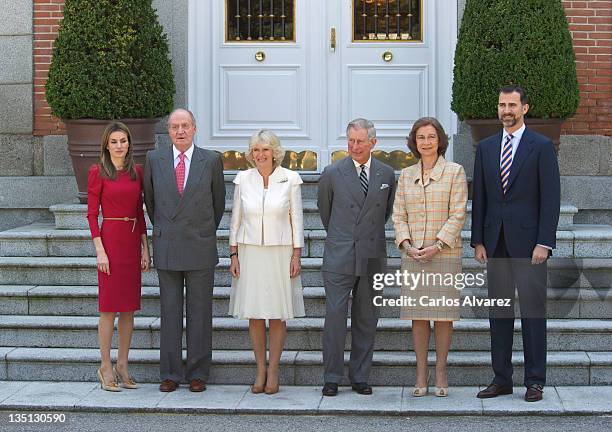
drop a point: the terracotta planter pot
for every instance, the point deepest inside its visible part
(483, 128)
(84, 137)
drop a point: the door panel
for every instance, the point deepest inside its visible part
(388, 96)
(281, 110)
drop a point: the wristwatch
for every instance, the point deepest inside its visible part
(233, 254)
(440, 245)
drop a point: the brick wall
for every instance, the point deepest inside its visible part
(46, 16)
(590, 24)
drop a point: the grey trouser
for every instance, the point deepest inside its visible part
(199, 288)
(364, 317)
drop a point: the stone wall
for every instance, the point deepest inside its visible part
(21, 152)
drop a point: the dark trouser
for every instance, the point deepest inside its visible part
(199, 287)
(364, 317)
(504, 274)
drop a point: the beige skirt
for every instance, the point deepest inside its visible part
(264, 289)
(432, 300)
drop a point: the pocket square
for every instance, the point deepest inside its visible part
(384, 186)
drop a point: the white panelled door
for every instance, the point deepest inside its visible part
(304, 68)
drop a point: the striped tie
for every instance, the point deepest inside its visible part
(506, 162)
(363, 178)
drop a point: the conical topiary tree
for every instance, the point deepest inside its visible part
(110, 61)
(524, 42)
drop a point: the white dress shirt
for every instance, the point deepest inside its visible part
(516, 139)
(188, 156)
(367, 167)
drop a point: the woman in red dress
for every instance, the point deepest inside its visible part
(122, 252)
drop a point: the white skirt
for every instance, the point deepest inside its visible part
(264, 289)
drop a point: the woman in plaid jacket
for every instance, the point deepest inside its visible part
(428, 215)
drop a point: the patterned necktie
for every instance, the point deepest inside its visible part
(363, 179)
(506, 162)
(180, 173)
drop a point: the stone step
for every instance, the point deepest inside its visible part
(396, 368)
(82, 271)
(562, 272)
(73, 216)
(42, 239)
(304, 334)
(303, 407)
(569, 303)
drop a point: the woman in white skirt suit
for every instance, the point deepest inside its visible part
(266, 240)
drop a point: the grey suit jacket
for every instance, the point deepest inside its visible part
(184, 227)
(355, 225)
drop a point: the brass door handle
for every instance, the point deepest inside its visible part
(332, 39)
(260, 56)
(387, 56)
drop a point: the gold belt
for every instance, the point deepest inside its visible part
(125, 219)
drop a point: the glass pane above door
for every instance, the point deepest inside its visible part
(258, 21)
(387, 20)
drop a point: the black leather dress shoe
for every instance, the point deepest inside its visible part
(362, 388)
(330, 389)
(494, 390)
(534, 393)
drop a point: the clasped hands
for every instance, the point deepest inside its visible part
(421, 255)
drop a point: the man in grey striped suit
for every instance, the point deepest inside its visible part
(355, 199)
(185, 196)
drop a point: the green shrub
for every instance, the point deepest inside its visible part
(110, 61)
(524, 42)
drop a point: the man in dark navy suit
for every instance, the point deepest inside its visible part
(515, 212)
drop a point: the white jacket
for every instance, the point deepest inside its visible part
(276, 221)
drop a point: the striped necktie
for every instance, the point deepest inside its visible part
(363, 179)
(506, 162)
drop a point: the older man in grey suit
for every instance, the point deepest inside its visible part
(185, 198)
(355, 199)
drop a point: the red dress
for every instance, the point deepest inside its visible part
(119, 198)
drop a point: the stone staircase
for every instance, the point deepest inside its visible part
(48, 311)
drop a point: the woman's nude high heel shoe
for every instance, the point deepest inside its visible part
(272, 390)
(441, 391)
(111, 386)
(257, 389)
(128, 384)
(421, 391)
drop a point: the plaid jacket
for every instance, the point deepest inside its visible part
(430, 210)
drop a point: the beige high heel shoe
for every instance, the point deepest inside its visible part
(127, 384)
(272, 390)
(111, 386)
(441, 391)
(255, 389)
(422, 391)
